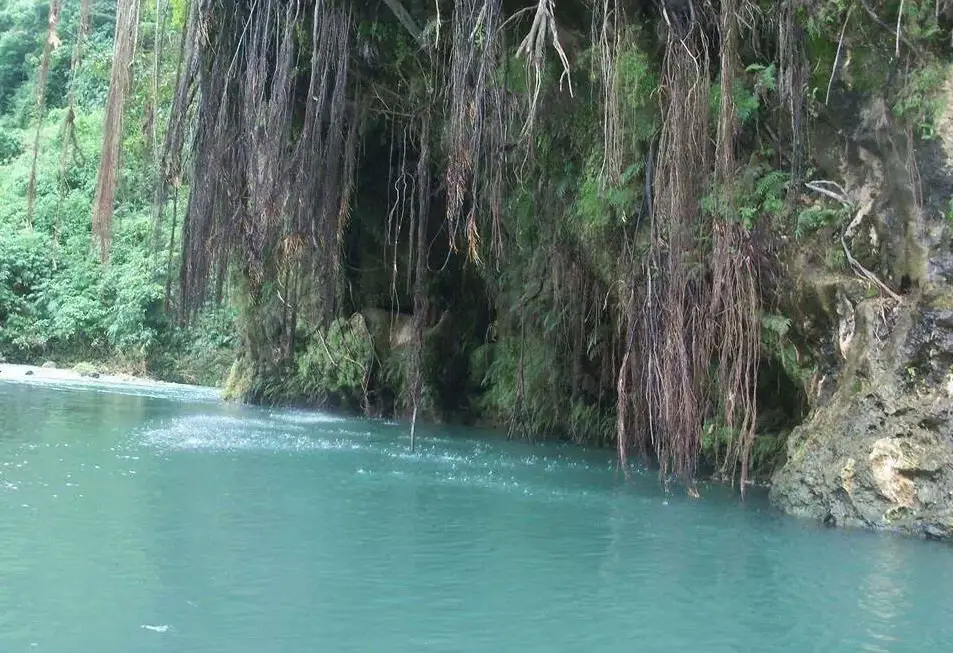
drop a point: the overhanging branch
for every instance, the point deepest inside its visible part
(405, 19)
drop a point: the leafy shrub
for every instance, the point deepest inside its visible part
(920, 101)
(816, 217)
(544, 408)
(24, 271)
(10, 146)
(84, 368)
(758, 191)
(337, 362)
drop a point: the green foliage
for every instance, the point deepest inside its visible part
(637, 79)
(868, 51)
(920, 21)
(769, 453)
(200, 354)
(776, 344)
(538, 411)
(778, 325)
(24, 271)
(21, 26)
(835, 258)
(919, 102)
(716, 438)
(10, 147)
(73, 305)
(180, 11)
(816, 217)
(600, 205)
(395, 366)
(512, 73)
(749, 92)
(764, 77)
(591, 423)
(544, 408)
(56, 299)
(769, 445)
(391, 45)
(393, 377)
(337, 362)
(84, 368)
(759, 191)
(238, 383)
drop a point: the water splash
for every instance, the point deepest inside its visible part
(157, 629)
(302, 418)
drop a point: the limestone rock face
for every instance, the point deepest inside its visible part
(876, 449)
(879, 454)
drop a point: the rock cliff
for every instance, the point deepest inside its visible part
(876, 449)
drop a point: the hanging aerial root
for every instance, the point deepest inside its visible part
(187, 69)
(606, 32)
(735, 297)
(700, 303)
(793, 76)
(68, 130)
(533, 49)
(678, 341)
(265, 169)
(120, 78)
(475, 123)
(421, 303)
(51, 43)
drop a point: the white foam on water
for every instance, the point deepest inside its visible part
(465, 472)
(214, 422)
(305, 418)
(217, 433)
(157, 629)
(465, 463)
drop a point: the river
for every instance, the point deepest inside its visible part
(138, 519)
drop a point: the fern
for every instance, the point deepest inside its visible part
(811, 219)
(779, 325)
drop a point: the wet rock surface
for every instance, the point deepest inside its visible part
(879, 453)
(876, 450)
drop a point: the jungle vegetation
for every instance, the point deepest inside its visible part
(571, 218)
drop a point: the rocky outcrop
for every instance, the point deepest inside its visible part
(876, 450)
(879, 452)
(391, 330)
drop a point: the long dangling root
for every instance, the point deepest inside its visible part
(52, 41)
(533, 48)
(250, 189)
(120, 78)
(701, 302)
(475, 122)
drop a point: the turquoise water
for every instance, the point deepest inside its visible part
(163, 520)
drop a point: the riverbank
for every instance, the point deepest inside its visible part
(81, 373)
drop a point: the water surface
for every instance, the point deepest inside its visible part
(136, 519)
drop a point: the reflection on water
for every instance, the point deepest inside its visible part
(882, 595)
(151, 521)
